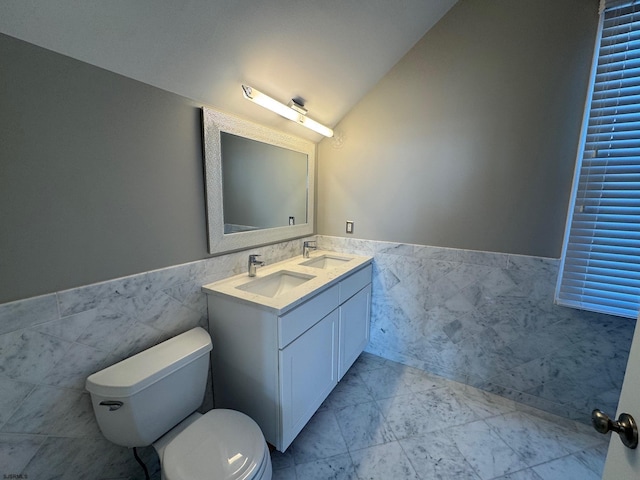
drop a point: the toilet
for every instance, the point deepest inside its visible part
(151, 399)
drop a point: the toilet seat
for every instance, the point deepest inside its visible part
(221, 444)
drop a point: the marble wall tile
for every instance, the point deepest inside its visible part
(27, 356)
(138, 337)
(484, 319)
(12, 394)
(68, 328)
(488, 320)
(490, 259)
(162, 311)
(25, 313)
(79, 361)
(50, 344)
(54, 411)
(17, 450)
(96, 458)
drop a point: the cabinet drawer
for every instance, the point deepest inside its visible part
(354, 283)
(300, 319)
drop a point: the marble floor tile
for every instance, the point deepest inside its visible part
(339, 467)
(288, 473)
(350, 391)
(383, 462)
(363, 425)
(435, 456)
(448, 406)
(527, 474)
(566, 468)
(366, 362)
(321, 438)
(485, 451)
(407, 416)
(483, 404)
(385, 382)
(538, 440)
(593, 457)
(421, 381)
(389, 421)
(281, 460)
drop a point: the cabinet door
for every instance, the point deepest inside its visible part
(355, 316)
(308, 373)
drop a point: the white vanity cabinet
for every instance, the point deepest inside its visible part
(355, 316)
(278, 366)
(308, 373)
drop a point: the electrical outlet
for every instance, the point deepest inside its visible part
(349, 226)
(292, 220)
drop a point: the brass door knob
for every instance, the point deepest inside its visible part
(625, 426)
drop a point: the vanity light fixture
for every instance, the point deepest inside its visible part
(294, 111)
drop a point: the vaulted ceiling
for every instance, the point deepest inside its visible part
(327, 52)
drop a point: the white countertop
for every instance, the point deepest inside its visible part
(324, 278)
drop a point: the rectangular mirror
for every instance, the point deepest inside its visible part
(259, 183)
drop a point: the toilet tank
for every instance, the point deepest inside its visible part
(139, 399)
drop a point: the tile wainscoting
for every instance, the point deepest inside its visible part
(484, 319)
(51, 343)
(488, 320)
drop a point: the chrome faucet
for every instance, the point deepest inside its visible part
(307, 246)
(253, 263)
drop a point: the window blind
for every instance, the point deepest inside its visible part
(600, 264)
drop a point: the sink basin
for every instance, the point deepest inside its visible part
(276, 283)
(325, 261)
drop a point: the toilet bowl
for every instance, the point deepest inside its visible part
(151, 399)
(219, 444)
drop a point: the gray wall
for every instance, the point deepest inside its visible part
(100, 175)
(470, 140)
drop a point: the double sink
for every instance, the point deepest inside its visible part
(285, 284)
(283, 281)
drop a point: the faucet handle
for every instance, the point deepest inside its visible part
(308, 245)
(253, 263)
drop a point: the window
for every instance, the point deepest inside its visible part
(600, 265)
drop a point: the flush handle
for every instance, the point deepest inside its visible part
(112, 404)
(625, 426)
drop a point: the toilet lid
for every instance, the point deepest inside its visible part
(222, 444)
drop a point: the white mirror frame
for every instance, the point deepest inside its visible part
(215, 122)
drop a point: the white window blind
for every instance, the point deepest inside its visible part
(600, 265)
